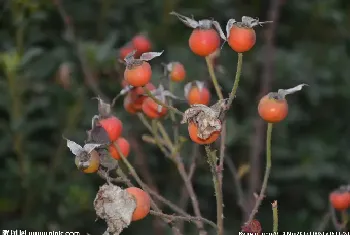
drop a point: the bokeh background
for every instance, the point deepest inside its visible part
(46, 92)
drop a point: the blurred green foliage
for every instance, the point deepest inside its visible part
(42, 189)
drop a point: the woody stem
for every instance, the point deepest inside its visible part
(213, 77)
(212, 159)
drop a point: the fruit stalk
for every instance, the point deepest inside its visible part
(213, 77)
(212, 159)
(267, 173)
(237, 78)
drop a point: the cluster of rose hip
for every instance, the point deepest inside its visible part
(204, 123)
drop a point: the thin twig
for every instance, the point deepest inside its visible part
(151, 140)
(157, 140)
(212, 159)
(164, 134)
(191, 192)
(144, 121)
(266, 176)
(176, 217)
(238, 186)
(184, 194)
(142, 163)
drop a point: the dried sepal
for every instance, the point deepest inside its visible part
(229, 25)
(89, 147)
(94, 121)
(200, 85)
(218, 28)
(115, 206)
(126, 89)
(75, 148)
(150, 55)
(104, 109)
(190, 85)
(131, 62)
(251, 22)
(130, 57)
(202, 24)
(82, 154)
(186, 20)
(187, 89)
(161, 93)
(207, 119)
(292, 90)
(204, 118)
(169, 67)
(98, 135)
(106, 160)
(247, 22)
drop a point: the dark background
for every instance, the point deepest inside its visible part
(41, 188)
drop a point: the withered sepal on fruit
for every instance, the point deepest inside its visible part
(115, 206)
(206, 118)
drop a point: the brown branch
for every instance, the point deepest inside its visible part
(191, 192)
(238, 186)
(185, 218)
(141, 162)
(184, 194)
(267, 76)
(222, 153)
